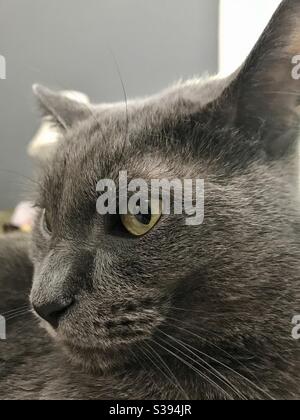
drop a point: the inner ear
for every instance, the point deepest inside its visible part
(60, 108)
(265, 96)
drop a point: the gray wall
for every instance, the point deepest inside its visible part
(67, 44)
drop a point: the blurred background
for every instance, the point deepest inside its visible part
(68, 44)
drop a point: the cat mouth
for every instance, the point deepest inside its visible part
(96, 352)
(84, 336)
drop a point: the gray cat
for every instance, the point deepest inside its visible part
(181, 312)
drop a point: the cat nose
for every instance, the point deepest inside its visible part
(52, 312)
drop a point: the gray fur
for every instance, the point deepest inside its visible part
(228, 288)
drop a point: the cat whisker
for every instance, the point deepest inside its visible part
(93, 115)
(223, 364)
(214, 345)
(145, 355)
(20, 314)
(194, 311)
(12, 311)
(185, 310)
(201, 328)
(173, 379)
(211, 369)
(9, 316)
(126, 139)
(194, 369)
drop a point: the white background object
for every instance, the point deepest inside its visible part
(241, 24)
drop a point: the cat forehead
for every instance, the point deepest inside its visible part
(131, 137)
(111, 127)
(197, 92)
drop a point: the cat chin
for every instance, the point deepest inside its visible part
(95, 360)
(89, 360)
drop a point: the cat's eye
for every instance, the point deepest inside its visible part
(140, 224)
(46, 224)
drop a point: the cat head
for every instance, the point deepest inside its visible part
(103, 291)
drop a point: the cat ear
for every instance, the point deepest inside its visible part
(266, 93)
(61, 109)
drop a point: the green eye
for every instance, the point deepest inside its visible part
(140, 224)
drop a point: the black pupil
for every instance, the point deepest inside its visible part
(144, 219)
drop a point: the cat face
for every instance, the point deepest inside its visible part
(103, 291)
(117, 287)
